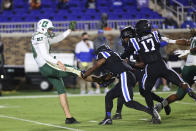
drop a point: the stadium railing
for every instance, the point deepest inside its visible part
(60, 26)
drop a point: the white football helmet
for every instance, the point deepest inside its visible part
(43, 25)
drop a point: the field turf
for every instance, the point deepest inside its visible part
(42, 112)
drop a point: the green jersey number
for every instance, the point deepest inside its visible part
(45, 23)
(40, 39)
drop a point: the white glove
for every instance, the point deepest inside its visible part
(181, 53)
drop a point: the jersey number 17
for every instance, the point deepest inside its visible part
(147, 42)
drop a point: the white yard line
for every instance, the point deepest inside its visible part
(39, 123)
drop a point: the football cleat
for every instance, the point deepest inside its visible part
(156, 118)
(71, 120)
(192, 95)
(167, 109)
(106, 121)
(117, 116)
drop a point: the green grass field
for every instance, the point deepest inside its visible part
(45, 114)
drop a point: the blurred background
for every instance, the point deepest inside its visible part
(100, 19)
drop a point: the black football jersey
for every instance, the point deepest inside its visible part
(113, 63)
(147, 46)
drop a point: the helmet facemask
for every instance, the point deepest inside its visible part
(126, 34)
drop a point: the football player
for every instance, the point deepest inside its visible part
(188, 73)
(110, 61)
(51, 67)
(147, 44)
(127, 33)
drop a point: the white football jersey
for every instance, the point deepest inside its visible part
(40, 44)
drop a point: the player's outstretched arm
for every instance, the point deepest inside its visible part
(91, 70)
(59, 37)
(62, 36)
(178, 42)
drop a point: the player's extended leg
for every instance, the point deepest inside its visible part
(120, 103)
(59, 85)
(51, 70)
(157, 98)
(188, 75)
(148, 81)
(172, 76)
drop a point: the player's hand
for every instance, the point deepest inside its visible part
(61, 65)
(72, 25)
(181, 53)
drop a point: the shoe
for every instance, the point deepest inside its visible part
(166, 88)
(156, 121)
(71, 120)
(117, 116)
(106, 121)
(167, 109)
(192, 95)
(156, 118)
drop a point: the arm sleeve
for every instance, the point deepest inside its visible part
(103, 54)
(45, 53)
(60, 37)
(168, 40)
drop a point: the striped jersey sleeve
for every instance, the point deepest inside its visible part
(103, 54)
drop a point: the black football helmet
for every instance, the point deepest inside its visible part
(127, 32)
(143, 27)
(101, 48)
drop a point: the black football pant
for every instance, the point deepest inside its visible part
(123, 90)
(152, 72)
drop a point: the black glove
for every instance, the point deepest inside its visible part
(72, 25)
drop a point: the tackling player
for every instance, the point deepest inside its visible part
(126, 33)
(110, 61)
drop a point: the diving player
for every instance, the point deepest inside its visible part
(110, 61)
(188, 73)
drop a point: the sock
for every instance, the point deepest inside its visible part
(108, 114)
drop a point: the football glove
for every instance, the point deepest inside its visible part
(72, 25)
(181, 53)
